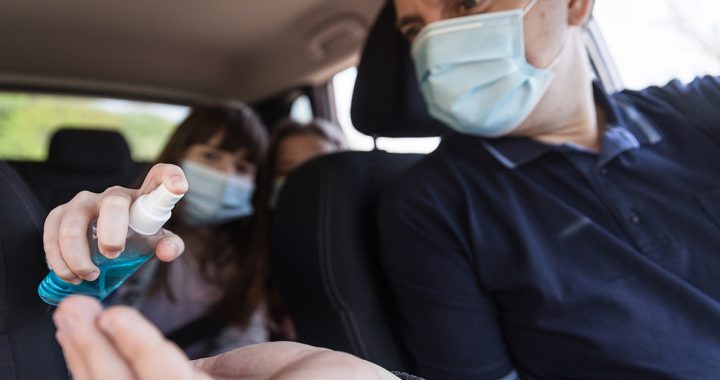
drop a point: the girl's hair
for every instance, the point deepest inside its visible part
(261, 242)
(223, 254)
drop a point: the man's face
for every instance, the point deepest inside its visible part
(545, 23)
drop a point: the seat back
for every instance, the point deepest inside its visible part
(80, 159)
(325, 238)
(28, 349)
(325, 254)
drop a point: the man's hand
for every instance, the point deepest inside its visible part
(65, 236)
(120, 344)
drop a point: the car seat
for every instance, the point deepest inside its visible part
(325, 238)
(28, 349)
(81, 159)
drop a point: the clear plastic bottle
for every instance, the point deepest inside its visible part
(147, 216)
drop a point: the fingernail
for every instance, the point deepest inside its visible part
(93, 275)
(111, 254)
(177, 182)
(75, 281)
(174, 248)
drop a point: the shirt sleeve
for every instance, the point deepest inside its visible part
(448, 322)
(697, 102)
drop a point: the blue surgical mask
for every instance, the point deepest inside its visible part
(215, 197)
(474, 75)
(275, 192)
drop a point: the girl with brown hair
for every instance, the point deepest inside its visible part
(212, 298)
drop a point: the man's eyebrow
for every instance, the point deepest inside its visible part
(409, 19)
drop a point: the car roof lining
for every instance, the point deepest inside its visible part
(180, 50)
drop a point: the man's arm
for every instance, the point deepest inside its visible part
(697, 103)
(448, 322)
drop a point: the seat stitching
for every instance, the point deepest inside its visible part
(12, 356)
(325, 233)
(3, 309)
(23, 195)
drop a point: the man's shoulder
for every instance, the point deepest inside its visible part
(440, 174)
(695, 101)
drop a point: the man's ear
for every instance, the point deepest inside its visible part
(579, 11)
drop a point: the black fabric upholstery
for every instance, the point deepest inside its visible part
(326, 255)
(80, 159)
(28, 349)
(387, 101)
(89, 151)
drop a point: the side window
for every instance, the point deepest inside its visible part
(301, 110)
(343, 85)
(28, 121)
(654, 41)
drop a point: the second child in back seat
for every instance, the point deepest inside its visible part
(291, 145)
(210, 300)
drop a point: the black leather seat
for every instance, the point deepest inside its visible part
(325, 245)
(81, 159)
(326, 255)
(28, 349)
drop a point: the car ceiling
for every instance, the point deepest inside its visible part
(182, 50)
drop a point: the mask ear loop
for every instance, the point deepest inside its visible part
(559, 55)
(529, 7)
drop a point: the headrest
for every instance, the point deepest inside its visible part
(387, 101)
(89, 151)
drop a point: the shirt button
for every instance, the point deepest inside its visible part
(634, 218)
(604, 171)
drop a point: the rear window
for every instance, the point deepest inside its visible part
(28, 121)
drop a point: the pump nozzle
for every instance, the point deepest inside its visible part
(149, 212)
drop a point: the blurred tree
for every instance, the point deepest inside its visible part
(27, 122)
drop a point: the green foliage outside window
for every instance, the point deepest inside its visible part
(27, 122)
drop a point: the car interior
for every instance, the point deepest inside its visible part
(266, 54)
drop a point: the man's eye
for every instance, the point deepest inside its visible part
(411, 32)
(468, 5)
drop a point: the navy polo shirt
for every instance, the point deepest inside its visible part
(560, 263)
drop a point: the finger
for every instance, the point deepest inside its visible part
(51, 245)
(89, 353)
(113, 218)
(142, 346)
(170, 175)
(73, 239)
(170, 247)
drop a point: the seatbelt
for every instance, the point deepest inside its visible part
(206, 326)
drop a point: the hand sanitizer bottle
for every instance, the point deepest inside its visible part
(147, 216)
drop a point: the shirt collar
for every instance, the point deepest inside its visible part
(513, 152)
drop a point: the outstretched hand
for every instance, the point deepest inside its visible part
(65, 233)
(120, 344)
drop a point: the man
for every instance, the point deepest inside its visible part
(562, 233)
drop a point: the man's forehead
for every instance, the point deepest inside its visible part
(412, 10)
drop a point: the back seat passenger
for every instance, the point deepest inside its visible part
(80, 159)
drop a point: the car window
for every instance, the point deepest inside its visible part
(28, 121)
(301, 109)
(654, 41)
(343, 85)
